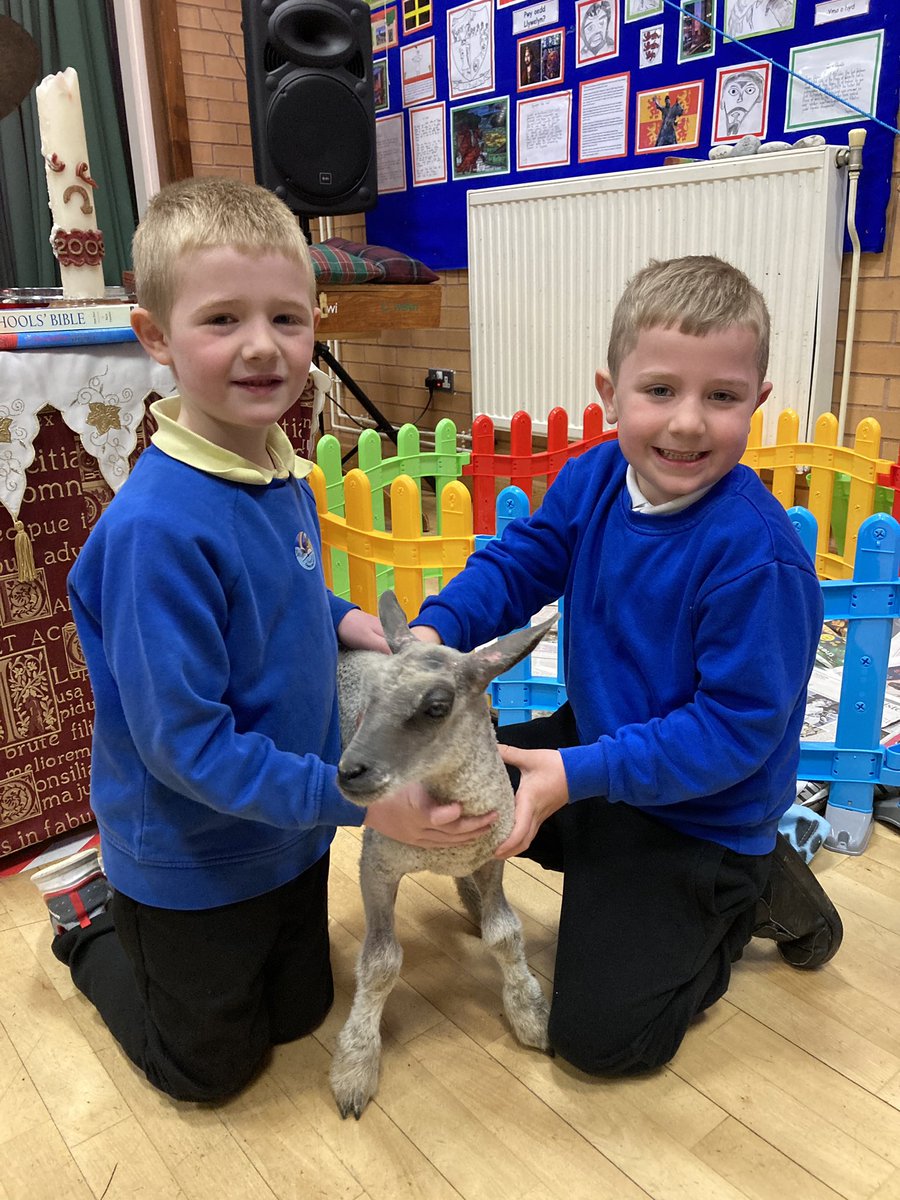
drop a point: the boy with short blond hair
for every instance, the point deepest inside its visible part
(692, 619)
(211, 642)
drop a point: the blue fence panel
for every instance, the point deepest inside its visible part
(518, 693)
(856, 760)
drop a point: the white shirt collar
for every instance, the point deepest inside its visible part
(640, 503)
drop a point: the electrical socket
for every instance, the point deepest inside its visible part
(439, 380)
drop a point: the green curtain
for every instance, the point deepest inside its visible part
(69, 33)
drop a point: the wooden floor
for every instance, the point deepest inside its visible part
(788, 1089)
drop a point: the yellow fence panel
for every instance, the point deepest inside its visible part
(410, 553)
(825, 462)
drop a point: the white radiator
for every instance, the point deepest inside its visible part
(548, 261)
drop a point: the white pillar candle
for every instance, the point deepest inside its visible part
(76, 240)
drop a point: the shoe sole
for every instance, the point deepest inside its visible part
(64, 864)
(808, 958)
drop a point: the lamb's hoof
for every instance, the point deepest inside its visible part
(354, 1106)
(533, 1031)
(350, 1098)
(529, 1020)
(354, 1075)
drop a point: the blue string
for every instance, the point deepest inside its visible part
(758, 54)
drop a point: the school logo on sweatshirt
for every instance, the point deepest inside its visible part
(305, 551)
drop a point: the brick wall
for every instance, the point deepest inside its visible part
(391, 369)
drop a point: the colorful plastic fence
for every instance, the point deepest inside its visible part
(845, 485)
(437, 467)
(523, 465)
(352, 540)
(520, 692)
(856, 760)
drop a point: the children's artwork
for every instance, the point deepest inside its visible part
(428, 140)
(480, 135)
(389, 151)
(848, 68)
(417, 15)
(380, 84)
(470, 48)
(696, 38)
(597, 22)
(417, 69)
(603, 118)
(742, 101)
(651, 46)
(384, 29)
(749, 18)
(542, 131)
(638, 10)
(667, 119)
(540, 60)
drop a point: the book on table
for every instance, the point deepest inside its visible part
(35, 310)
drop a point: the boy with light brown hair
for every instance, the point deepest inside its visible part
(692, 619)
(211, 642)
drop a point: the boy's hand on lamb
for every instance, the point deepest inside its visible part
(543, 790)
(411, 816)
(361, 631)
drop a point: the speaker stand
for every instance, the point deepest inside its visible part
(381, 422)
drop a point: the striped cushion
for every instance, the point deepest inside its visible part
(335, 265)
(397, 267)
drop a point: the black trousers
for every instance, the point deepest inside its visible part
(197, 999)
(650, 924)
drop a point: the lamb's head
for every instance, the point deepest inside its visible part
(430, 717)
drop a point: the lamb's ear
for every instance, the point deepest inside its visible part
(393, 622)
(481, 666)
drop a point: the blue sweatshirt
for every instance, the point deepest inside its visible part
(689, 640)
(210, 641)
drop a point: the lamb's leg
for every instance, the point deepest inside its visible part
(523, 1001)
(467, 890)
(357, 1056)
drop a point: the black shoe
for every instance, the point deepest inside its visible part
(795, 912)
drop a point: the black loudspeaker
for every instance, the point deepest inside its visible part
(312, 103)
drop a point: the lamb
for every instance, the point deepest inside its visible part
(420, 714)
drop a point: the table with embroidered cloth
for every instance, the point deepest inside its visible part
(72, 423)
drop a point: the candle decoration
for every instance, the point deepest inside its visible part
(76, 241)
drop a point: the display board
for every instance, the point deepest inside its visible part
(489, 93)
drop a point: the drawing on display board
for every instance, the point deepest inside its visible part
(748, 18)
(637, 10)
(540, 60)
(480, 134)
(384, 29)
(418, 77)
(695, 35)
(598, 30)
(742, 101)
(380, 85)
(651, 46)
(470, 48)
(669, 117)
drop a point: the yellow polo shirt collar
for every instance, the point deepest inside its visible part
(190, 448)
